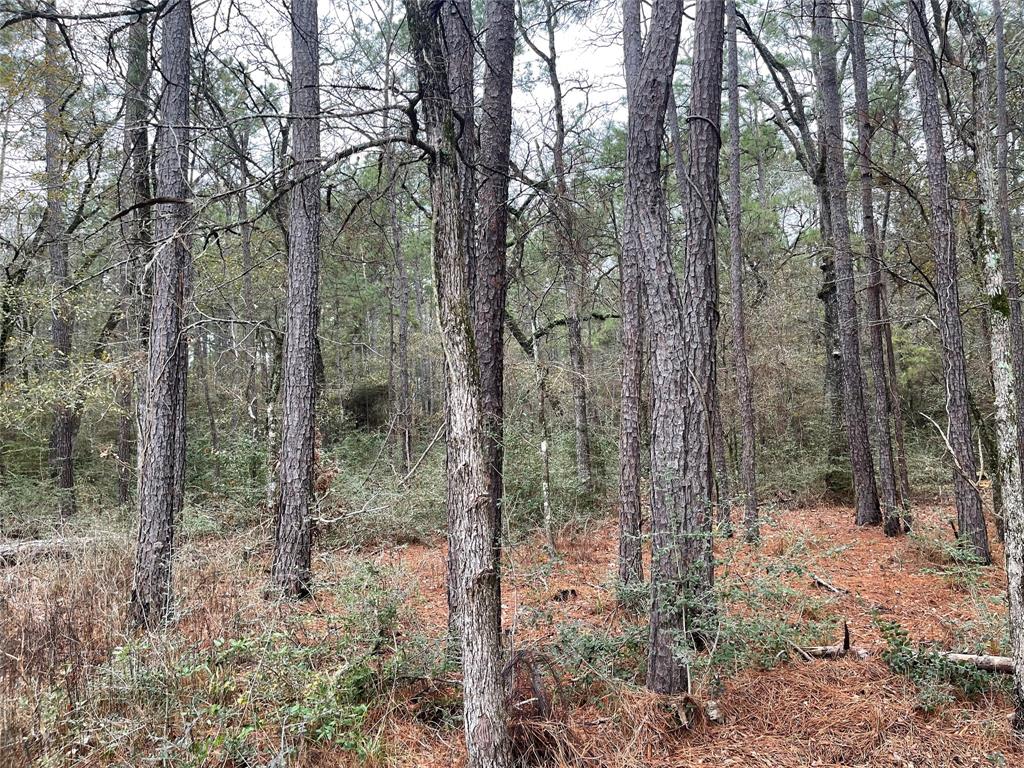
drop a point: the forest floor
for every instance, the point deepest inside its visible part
(356, 674)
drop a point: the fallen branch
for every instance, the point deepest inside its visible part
(820, 582)
(1001, 664)
(838, 651)
(14, 552)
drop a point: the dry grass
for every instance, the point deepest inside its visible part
(238, 680)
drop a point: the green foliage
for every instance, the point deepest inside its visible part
(763, 614)
(954, 559)
(939, 681)
(593, 655)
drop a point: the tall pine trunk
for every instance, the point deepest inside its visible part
(473, 562)
(971, 528)
(62, 436)
(161, 477)
(487, 278)
(892, 518)
(135, 230)
(854, 410)
(293, 540)
(748, 473)
(1013, 523)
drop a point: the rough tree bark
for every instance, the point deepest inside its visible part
(892, 517)
(631, 297)
(487, 277)
(62, 436)
(1013, 524)
(293, 539)
(748, 476)
(473, 560)
(484, 231)
(719, 463)
(854, 410)
(971, 528)
(681, 319)
(135, 187)
(160, 478)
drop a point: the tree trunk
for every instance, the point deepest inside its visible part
(293, 540)
(642, 172)
(895, 400)
(541, 375)
(971, 528)
(161, 479)
(854, 410)
(680, 318)
(892, 517)
(473, 561)
(570, 254)
(630, 560)
(720, 464)
(748, 476)
(1013, 524)
(248, 300)
(487, 275)
(62, 437)
(202, 353)
(399, 359)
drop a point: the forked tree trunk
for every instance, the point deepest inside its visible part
(62, 436)
(893, 518)
(680, 318)
(854, 410)
(161, 479)
(293, 540)
(971, 528)
(473, 557)
(744, 393)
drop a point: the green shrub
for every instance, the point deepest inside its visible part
(939, 681)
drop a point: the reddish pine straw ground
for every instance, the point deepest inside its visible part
(798, 713)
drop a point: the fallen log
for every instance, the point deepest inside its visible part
(14, 552)
(833, 652)
(1001, 664)
(837, 651)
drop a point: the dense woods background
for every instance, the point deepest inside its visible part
(289, 289)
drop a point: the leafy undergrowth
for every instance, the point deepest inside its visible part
(358, 674)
